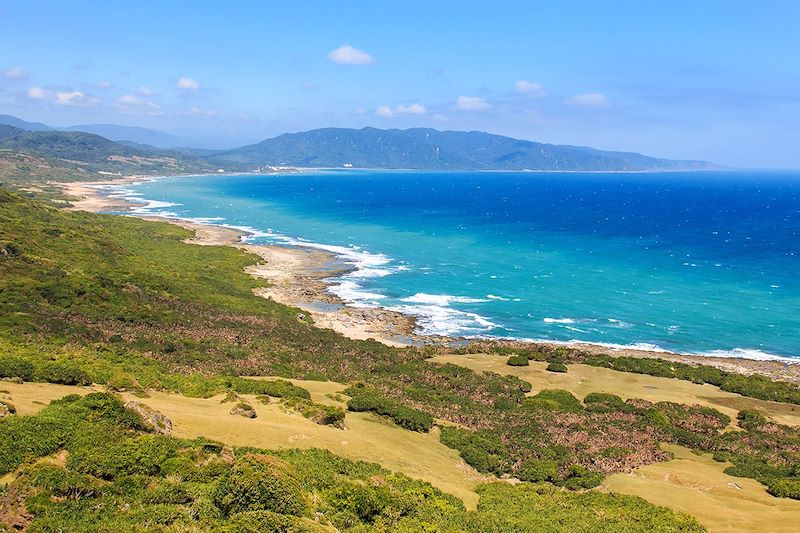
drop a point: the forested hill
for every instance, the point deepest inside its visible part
(422, 148)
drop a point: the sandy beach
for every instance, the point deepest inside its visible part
(297, 277)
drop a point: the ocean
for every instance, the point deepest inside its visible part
(697, 262)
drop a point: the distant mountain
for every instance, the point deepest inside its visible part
(23, 124)
(115, 132)
(422, 148)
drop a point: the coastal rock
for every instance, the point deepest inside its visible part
(152, 418)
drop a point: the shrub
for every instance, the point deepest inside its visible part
(170, 493)
(260, 483)
(517, 360)
(14, 367)
(524, 386)
(122, 381)
(556, 367)
(277, 388)
(784, 488)
(536, 470)
(326, 415)
(750, 419)
(554, 399)
(368, 399)
(580, 477)
(604, 401)
(65, 483)
(63, 374)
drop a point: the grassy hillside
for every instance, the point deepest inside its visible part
(90, 298)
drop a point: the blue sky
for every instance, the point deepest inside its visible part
(717, 80)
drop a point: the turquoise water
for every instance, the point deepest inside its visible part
(689, 262)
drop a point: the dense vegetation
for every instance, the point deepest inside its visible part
(123, 302)
(111, 475)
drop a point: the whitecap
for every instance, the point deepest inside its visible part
(549, 320)
(441, 299)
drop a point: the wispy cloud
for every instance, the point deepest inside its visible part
(133, 105)
(589, 100)
(529, 88)
(144, 90)
(401, 109)
(348, 55)
(75, 99)
(38, 93)
(472, 103)
(187, 84)
(103, 84)
(197, 112)
(15, 73)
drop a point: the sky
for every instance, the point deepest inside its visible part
(708, 79)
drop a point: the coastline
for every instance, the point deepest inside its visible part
(300, 277)
(296, 274)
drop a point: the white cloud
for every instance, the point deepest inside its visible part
(37, 93)
(348, 55)
(471, 103)
(144, 90)
(529, 87)
(15, 73)
(75, 99)
(359, 111)
(187, 84)
(133, 105)
(402, 109)
(104, 84)
(589, 100)
(197, 112)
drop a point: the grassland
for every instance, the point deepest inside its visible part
(128, 305)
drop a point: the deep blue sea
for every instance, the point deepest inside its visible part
(700, 262)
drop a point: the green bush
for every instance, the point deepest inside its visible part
(326, 415)
(580, 477)
(277, 388)
(536, 470)
(517, 360)
(750, 419)
(784, 488)
(554, 399)
(556, 367)
(65, 483)
(63, 374)
(368, 399)
(122, 381)
(604, 401)
(14, 367)
(260, 483)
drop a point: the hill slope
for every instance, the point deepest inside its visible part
(422, 148)
(34, 156)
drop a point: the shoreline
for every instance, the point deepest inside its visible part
(300, 277)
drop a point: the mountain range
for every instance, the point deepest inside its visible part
(416, 148)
